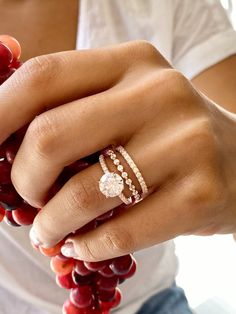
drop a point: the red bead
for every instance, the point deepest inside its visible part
(106, 283)
(5, 172)
(82, 296)
(122, 265)
(8, 195)
(11, 150)
(9, 219)
(131, 272)
(106, 306)
(16, 64)
(2, 213)
(6, 56)
(82, 280)
(81, 269)
(70, 308)
(25, 214)
(52, 251)
(95, 266)
(106, 272)
(61, 266)
(65, 281)
(12, 44)
(106, 295)
(2, 149)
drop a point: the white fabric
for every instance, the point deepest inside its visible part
(192, 35)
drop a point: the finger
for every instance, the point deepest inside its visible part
(48, 81)
(91, 124)
(46, 149)
(79, 202)
(152, 221)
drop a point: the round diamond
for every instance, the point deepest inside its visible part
(111, 184)
(116, 162)
(120, 168)
(128, 181)
(124, 175)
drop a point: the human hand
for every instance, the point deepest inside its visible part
(126, 95)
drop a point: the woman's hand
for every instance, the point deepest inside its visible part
(125, 94)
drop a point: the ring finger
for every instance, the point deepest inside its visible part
(80, 200)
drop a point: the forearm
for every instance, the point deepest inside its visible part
(219, 83)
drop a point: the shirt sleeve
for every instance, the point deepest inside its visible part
(203, 35)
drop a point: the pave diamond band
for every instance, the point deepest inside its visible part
(128, 181)
(111, 184)
(135, 169)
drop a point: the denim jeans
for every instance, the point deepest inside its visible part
(169, 301)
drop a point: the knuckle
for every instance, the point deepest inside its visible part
(40, 70)
(202, 137)
(42, 134)
(207, 195)
(144, 47)
(83, 196)
(176, 83)
(118, 242)
(207, 191)
(169, 85)
(140, 51)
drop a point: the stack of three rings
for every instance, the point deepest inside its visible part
(112, 184)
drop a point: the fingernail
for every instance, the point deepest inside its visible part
(68, 249)
(33, 237)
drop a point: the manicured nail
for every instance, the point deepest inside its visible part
(68, 249)
(33, 237)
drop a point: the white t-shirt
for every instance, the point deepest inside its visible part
(192, 35)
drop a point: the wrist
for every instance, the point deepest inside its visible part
(225, 126)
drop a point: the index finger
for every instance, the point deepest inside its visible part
(51, 80)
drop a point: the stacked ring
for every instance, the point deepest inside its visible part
(124, 175)
(135, 169)
(112, 184)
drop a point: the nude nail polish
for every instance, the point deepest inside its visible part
(68, 249)
(33, 237)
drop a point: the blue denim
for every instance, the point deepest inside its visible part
(169, 301)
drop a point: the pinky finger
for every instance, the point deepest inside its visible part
(154, 220)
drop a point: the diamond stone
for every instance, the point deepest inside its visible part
(111, 184)
(120, 168)
(124, 175)
(116, 162)
(128, 181)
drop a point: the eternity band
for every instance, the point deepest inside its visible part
(112, 184)
(124, 175)
(135, 169)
